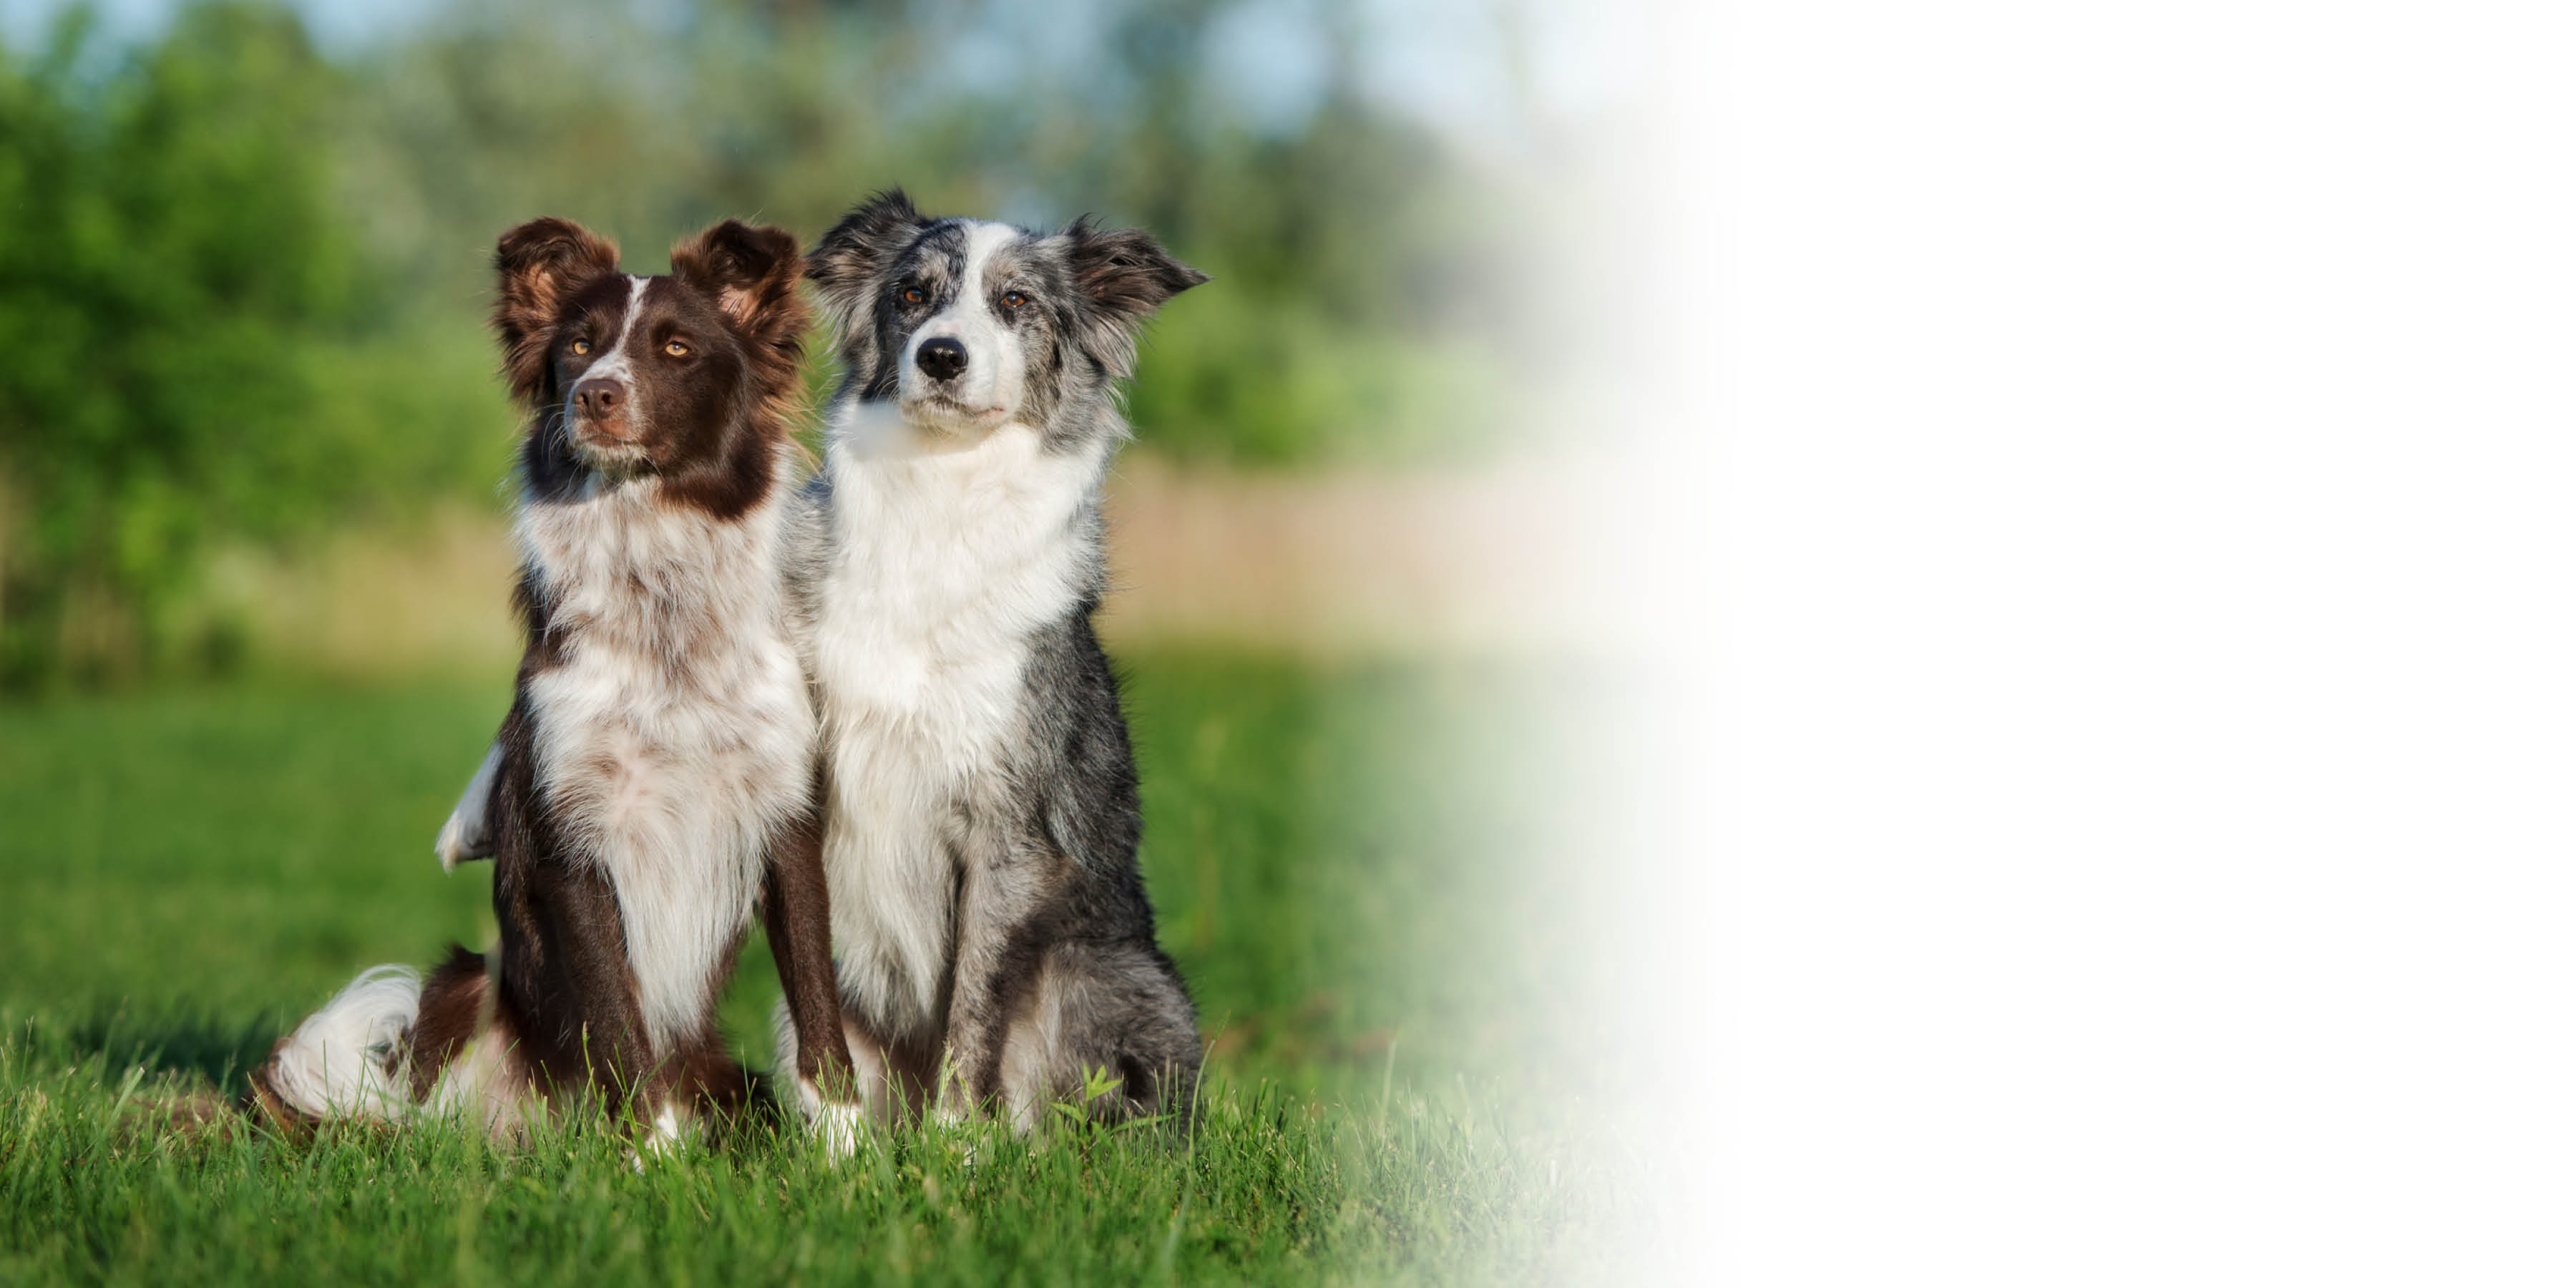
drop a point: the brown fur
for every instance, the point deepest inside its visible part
(559, 988)
(538, 262)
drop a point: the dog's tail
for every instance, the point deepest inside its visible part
(344, 1061)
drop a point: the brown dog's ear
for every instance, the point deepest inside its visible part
(751, 272)
(542, 263)
(1123, 275)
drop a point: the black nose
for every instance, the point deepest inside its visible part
(941, 359)
(598, 398)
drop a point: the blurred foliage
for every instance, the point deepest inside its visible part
(199, 346)
(241, 281)
(147, 311)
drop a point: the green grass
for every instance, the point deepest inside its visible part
(187, 872)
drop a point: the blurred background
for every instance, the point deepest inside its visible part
(247, 415)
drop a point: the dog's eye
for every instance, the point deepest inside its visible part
(677, 348)
(1013, 299)
(581, 346)
(912, 295)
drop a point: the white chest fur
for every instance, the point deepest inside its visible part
(946, 564)
(675, 737)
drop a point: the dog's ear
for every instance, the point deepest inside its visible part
(1123, 275)
(845, 264)
(847, 268)
(542, 263)
(750, 271)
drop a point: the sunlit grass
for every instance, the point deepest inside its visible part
(187, 871)
(99, 1182)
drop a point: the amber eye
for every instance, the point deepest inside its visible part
(581, 346)
(1013, 299)
(676, 348)
(912, 295)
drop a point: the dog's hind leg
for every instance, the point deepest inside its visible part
(466, 1061)
(566, 983)
(1108, 1026)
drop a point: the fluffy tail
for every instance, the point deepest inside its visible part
(344, 1060)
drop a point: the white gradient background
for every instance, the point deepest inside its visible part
(2144, 571)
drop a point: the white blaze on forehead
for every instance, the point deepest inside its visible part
(970, 308)
(614, 366)
(995, 367)
(982, 240)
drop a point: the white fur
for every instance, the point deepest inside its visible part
(468, 833)
(613, 363)
(337, 1063)
(876, 1100)
(668, 1133)
(485, 1085)
(1027, 1055)
(836, 1124)
(672, 778)
(947, 561)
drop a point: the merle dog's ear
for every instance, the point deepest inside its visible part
(1123, 275)
(752, 274)
(542, 263)
(847, 265)
(846, 262)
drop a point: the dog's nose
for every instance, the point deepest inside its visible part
(941, 359)
(597, 399)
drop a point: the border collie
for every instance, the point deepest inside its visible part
(654, 780)
(997, 948)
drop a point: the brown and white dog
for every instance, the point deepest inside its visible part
(654, 782)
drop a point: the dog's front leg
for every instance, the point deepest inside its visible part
(566, 973)
(796, 911)
(1009, 882)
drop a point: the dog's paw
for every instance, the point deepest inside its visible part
(668, 1135)
(466, 837)
(839, 1128)
(458, 844)
(839, 1125)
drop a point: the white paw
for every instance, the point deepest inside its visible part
(451, 846)
(667, 1137)
(836, 1124)
(464, 838)
(838, 1127)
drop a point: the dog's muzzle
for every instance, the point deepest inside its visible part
(599, 414)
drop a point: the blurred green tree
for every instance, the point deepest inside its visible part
(169, 255)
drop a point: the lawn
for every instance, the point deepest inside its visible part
(186, 872)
